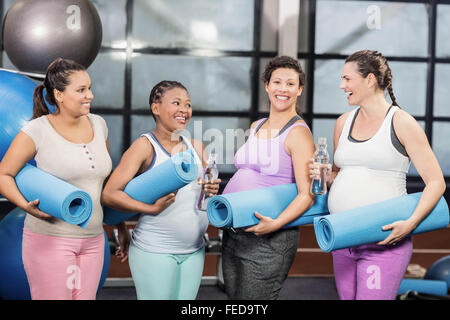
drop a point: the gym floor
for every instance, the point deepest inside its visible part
(295, 288)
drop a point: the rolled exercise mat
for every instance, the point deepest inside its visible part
(169, 176)
(56, 197)
(435, 287)
(363, 225)
(237, 209)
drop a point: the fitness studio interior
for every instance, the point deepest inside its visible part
(219, 50)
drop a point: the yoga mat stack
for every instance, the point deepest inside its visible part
(435, 287)
(363, 225)
(56, 197)
(169, 176)
(237, 209)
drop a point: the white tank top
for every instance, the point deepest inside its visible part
(179, 229)
(370, 171)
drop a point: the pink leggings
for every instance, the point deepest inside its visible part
(60, 268)
(371, 272)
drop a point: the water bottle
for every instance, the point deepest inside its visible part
(319, 186)
(209, 174)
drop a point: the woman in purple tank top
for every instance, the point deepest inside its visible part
(256, 261)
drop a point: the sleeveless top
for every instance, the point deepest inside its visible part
(83, 165)
(178, 229)
(371, 171)
(263, 162)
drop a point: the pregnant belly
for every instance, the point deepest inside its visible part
(357, 186)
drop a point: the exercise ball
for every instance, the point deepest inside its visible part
(37, 32)
(16, 106)
(13, 279)
(439, 270)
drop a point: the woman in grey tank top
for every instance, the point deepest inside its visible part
(373, 147)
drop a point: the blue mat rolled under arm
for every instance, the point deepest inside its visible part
(171, 175)
(237, 209)
(363, 225)
(435, 287)
(56, 197)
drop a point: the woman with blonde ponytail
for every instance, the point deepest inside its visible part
(374, 145)
(61, 260)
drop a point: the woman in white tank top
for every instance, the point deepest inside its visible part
(373, 147)
(166, 254)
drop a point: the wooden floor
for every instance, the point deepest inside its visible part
(310, 260)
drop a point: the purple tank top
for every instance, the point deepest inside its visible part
(262, 162)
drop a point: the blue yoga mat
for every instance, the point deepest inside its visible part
(237, 209)
(435, 287)
(56, 197)
(171, 175)
(363, 225)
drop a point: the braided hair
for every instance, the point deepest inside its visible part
(160, 89)
(374, 62)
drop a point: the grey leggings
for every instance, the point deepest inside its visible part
(255, 267)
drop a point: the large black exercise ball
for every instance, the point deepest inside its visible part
(37, 32)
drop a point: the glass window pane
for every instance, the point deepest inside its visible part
(441, 97)
(6, 5)
(107, 74)
(114, 19)
(140, 125)
(443, 31)
(115, 125)
(409, 83)
(225, 135)
(303, 25)
(194, 24)
(377, 25)
(269, 26)
(214, 83)
(7, 64)
(441, 132)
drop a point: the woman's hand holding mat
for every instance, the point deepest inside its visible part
(33, 209)
(237, 209)
(54, 196)
(157, 183)
(365, 224)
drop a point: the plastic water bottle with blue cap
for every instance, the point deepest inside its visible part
(321, 157)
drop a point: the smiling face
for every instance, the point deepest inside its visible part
(174, 109)
(283, 89)
(77, 95)
(356, 87)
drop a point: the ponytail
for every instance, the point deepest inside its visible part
(374, 62)
(388, 81)
(39, 106)
(57, 77)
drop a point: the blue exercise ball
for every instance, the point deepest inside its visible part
(13, 279)
(16, 106)
(37, 32)
(439, 270)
